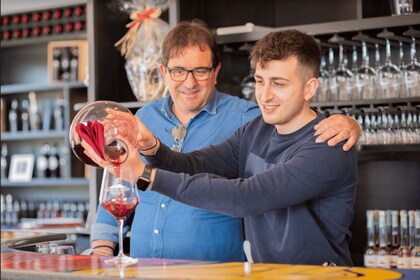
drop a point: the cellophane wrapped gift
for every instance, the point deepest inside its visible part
(141, 47)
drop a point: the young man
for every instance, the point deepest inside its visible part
(195, 115)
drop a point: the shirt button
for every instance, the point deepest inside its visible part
(156, 231)
(162, 205)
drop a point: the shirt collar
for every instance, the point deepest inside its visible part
(211, 106)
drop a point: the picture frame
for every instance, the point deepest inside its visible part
(21, 168)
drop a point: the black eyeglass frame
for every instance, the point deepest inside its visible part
(208, 69)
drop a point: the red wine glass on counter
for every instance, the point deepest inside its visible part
(119, 197)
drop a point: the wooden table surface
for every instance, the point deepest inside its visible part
(28, 265)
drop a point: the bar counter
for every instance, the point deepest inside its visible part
(19, 264)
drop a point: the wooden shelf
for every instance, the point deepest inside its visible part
(329, 27)
(48, 182)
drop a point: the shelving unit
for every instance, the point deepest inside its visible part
(24, 69)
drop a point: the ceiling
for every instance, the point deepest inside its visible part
(19, 6)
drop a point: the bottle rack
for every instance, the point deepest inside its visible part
(42, 25)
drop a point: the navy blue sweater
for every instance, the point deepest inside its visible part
(296, 196)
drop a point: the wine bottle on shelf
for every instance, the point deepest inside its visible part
(69, 27)
(46, 15)
(57, 14)
(6, 35)
(36, 32)
(383, 256)
(411, 228)
(74, 63)
(415, 253)
(23, 209)
(56, 64)
(65, 64)
(24, 114)
(5, 20)
(395, 236)
(388, 226)
(42, 162)
(59, 114)
(13, 116)
(47, 30)
(33, 111)
(58, 29)
(16, 19)
(25, 18)
(17, 34)
(2, 210)
(64, 167)
(370, 251)
(68, 12)
(78, 11)
(53, 162)
(9, 210)
(404, 252)
(26, 32)
(36, 16)
(4, 162)
(15, 213)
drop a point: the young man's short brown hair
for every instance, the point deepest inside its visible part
(186, 34)
(283, 44)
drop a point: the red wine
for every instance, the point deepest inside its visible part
(115, 152)
(119, 208)
(79, 152)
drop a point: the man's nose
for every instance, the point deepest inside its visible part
(190, 81)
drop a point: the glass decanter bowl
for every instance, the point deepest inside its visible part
(105, 126)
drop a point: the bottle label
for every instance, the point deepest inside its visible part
(404, 262)
(384, 261)
(52, 163)
(42, 163)
(370, 260)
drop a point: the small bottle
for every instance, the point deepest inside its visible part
(58, 29)
(42, 162)
(411, 228)
(69, 27)
(23, 209)
(36, 32)
(80, 25)
(56, 64)
(24, 114)
(16, 19)
(47, 30)
(59, 114)
(388, 225)
(2, 210)
(13, 116)
(64, 167)
(46, 15)
(68, 12)
(5, 20)
(26, 32)
(370, 251)
(9, 210)
(4, 162)
(65, 64)
(404, 252)
(74, 63)
(395, 238)
(383, 256)
(17, 34)
(57, 14)
(53, 162)
(415, 253)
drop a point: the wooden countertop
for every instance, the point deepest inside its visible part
(28, 265)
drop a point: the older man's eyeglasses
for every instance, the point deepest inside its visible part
(178, 135)
(180, 74)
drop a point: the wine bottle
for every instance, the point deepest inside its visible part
(53, 162)
(24, 114)
(4, 163)
(13, 116)
(42, 162)
(65, 64)
(56, 64)
(59, 114)
(74, 63)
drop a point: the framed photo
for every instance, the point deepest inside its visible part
(21, 168)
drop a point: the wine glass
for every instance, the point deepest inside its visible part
(412, 72)
(390, 76)
(322, 93)
(343, 77)
(119, 197)
(366, 77)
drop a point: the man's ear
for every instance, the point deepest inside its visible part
(162, 70)
(310, 88)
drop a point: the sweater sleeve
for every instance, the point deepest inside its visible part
(314, 172)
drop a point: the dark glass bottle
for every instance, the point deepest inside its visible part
(13, 116)
(54, 162)
(4, 161)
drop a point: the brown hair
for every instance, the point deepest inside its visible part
(189, 33)
(283, 44)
